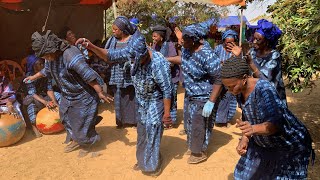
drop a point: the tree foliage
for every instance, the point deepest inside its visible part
(300, 23)
(155, 12)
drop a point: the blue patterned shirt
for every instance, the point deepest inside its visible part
(39, 87)
(72, 74)
(120, 71)
(222, 53)
(168, 50)
(270, 68)
(200, 70)
(153, 80)
(265, 105)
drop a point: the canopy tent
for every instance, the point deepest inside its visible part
(219, 2)
(232, 20)
(84, 17)
(22, 5)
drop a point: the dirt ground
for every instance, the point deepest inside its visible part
(43, 158)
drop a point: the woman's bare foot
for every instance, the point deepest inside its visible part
(36, 131)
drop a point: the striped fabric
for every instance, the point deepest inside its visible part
(200, 70)
(79, 101)
(270, 68)
(228, 103)
(284, 155)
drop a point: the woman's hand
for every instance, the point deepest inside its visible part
(242, 146)
(105, 97)
(178, 33)
(232, 47)
(167, 121)
(246, 128)
(52, 105)
(29, 79)
(84, 43)
(248, 58)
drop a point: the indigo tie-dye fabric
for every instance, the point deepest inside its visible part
(40, 88)
(270, 69)
(122, 87)
(152, 84)
(200, 70)
(284, 155)
(168, 50)
(228, 102)
(79, 101)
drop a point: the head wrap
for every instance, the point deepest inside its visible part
(198, 31)
(31, 60)
(164, 32)
(230, 34)
(48, 43)
(135, 21)
(138, 49)
(269, 31)
(124, 25)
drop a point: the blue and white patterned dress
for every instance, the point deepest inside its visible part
(152, 84)
(79, 101)
(168, 50)
(200, 70)
(284, 155)
(122, 87)
(228, 102)
(270, 69)
(39, 87)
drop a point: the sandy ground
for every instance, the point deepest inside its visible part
(43, 158)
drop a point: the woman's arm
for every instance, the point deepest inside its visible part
(265, 128)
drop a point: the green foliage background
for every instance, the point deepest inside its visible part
(144, 9)
(299, 20)
(299, 44)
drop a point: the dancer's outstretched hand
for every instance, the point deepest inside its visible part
(105, 97)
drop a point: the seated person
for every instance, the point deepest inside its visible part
(40, 92)
(8, 103)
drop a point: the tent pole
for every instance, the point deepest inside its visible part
(114, 9)
(241, 24)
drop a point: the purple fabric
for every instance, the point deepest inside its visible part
(31, 59)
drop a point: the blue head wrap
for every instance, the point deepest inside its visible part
(198, 31)
(135, 21)
(124, 25)
(230, 34)
(138, 48)
(30, 62)
(269, 31)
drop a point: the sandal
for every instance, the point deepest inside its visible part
(71, 147)
(194, 159)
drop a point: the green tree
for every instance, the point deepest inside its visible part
(160, 11)
(299, 44)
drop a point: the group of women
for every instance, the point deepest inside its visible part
(274, 143)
